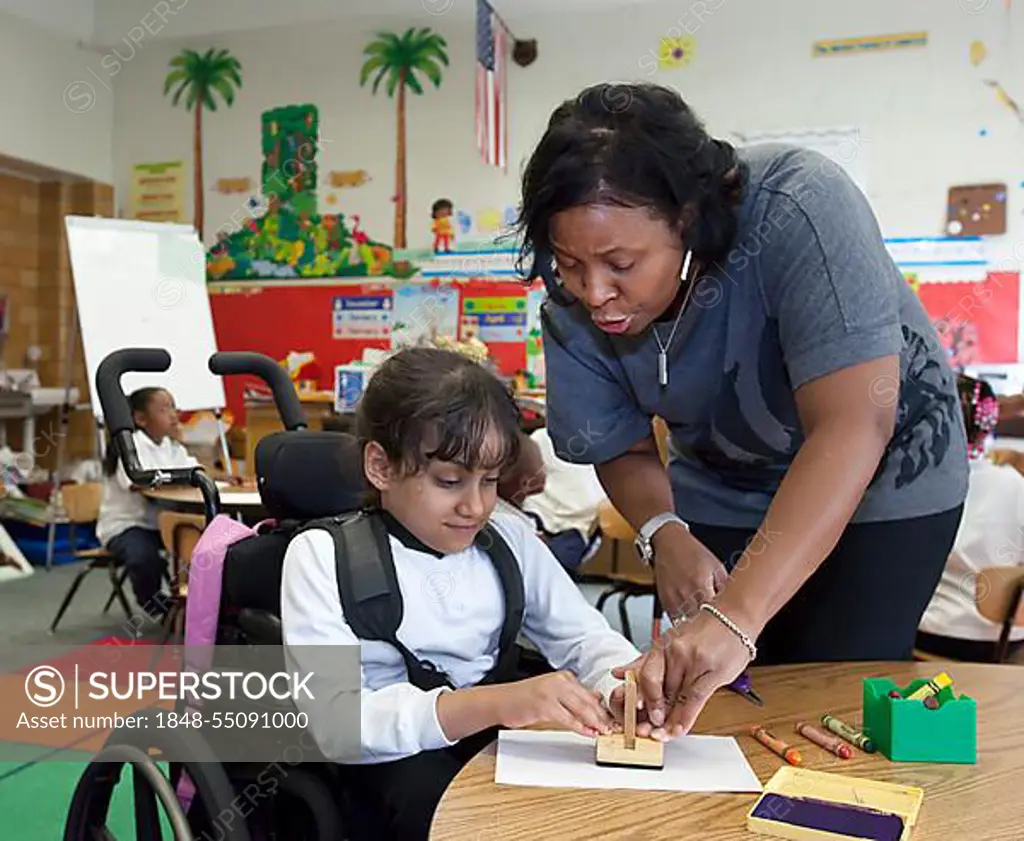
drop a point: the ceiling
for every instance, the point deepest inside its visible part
(103, 23)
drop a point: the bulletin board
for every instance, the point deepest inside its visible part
(337, 322)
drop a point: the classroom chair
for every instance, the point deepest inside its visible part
(179, 534)
(998, 595)
(615, 528)
(81, 504)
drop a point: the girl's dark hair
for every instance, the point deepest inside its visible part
(633, 145)
(425, 403)
(139, 402)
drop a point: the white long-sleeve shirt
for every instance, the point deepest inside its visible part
(454, 607)
(991, 534)
(122, 508)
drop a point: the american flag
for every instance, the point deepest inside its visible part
(491, 87)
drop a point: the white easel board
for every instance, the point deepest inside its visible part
(143, 285)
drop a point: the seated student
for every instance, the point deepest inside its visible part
(127, 522)
(437, 430)
(991, 534)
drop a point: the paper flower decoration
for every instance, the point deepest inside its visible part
(676, 52)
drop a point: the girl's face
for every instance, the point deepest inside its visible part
(160, 418)
(622, 263)
(444, 505)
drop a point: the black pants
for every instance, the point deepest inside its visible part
(140, 551)
(397, 800)
(865, 600)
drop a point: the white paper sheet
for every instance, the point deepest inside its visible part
(556, 759)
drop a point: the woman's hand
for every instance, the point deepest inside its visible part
(617, 700)
(684, 668)
(687, 573)
(557, 698)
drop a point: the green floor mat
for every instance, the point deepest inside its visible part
(34, 801)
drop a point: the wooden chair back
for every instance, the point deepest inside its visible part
(81, 501)
(180, 533)
(997, 593)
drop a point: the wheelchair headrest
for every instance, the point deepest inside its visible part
(304, 474)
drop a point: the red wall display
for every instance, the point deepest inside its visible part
(978, 321)
(280, 318)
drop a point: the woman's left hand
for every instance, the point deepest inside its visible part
(685, 667)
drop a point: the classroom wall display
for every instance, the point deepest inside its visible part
(978, 322)
(287, 236)
(348, 178)
(492, 318)
(158, 192)
(404, 62)
(842, 145)
(976, 210)
(869, 44)
(424, 311)
(361, 316)
(277, 318)
(674, 53)
(201, 79)
(534, 335)
(228, 186)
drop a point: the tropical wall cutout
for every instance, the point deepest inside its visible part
(400, 60)
(201, 79)
(292, 238)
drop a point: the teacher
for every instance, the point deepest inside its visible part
(746, 297)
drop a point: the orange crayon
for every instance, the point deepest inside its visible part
(773, 743)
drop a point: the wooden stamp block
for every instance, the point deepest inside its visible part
(626, 748)
(645, 753)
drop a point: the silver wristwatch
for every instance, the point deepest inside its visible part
(645, 535)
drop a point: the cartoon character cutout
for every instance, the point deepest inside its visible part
(444, 233)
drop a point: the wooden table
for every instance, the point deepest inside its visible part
(980, 802)
(233, 500)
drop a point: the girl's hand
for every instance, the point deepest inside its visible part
(617, 699)
(557, 698)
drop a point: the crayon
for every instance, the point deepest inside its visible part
(791, 755)
(932, 687)
(851, 734)
(833, 744)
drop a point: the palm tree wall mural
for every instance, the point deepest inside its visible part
(399, 59)
(200, 78)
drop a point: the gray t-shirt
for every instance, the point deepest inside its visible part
(808, 288)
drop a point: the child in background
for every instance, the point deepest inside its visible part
(437, 431)
(991, 534)
(127, 523)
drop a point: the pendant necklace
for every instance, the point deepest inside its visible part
(663, 348)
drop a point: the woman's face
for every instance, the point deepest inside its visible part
(622, 263)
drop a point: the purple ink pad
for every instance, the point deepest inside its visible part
(851, 821)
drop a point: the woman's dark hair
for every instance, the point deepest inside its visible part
(426, 403)
(633, 145)
(139, 402)
(980, 406)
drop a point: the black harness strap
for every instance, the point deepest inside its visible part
(372, 600)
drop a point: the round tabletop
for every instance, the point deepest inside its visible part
(981, 801)
(233, 499)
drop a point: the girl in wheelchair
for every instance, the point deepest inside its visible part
(437, 431)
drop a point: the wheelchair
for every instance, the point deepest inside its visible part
(301, 475)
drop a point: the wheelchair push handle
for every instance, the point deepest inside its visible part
(227, 363)
(117, 414)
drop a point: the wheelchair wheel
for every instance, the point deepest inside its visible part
(202, 790)
(91, 801)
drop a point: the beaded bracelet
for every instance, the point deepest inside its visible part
(732, 626)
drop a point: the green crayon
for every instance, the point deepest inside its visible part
(851, 734)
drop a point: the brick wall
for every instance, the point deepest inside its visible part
(35, 273)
